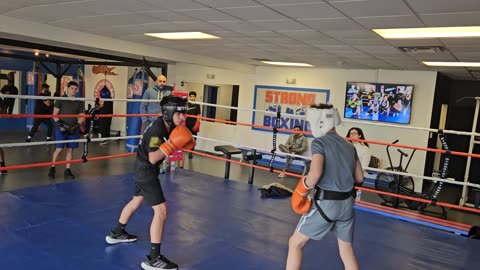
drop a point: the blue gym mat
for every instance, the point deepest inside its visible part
(212, 224)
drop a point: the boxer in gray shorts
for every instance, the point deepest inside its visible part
(334, 170)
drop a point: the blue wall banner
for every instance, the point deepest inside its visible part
(286, 100)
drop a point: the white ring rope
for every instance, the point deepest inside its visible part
(68, 141)
(466, 133)
(6, 145)
(367, 168)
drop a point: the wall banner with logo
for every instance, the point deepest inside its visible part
(287, 100)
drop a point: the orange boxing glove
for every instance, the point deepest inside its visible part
(196, 127)
(180, 137)
(300, 202)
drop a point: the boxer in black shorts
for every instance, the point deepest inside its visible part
(154, 147)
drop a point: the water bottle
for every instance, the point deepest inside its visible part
(359, 194)
(172, 166)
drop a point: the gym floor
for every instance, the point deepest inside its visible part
(212, 224)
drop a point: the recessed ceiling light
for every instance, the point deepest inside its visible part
(429, 32)
(453, 64)
(182, 35)
(287, 64)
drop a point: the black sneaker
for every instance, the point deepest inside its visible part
(2, 164)
(190, 155)
(160, 262)
(49, 139)
(68, 174)
(29, 139)
(124, 237)
(51, 173)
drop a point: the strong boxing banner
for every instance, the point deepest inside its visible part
(290, 102)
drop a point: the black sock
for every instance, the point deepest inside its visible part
(120, 228)
(154, 250)
(2, 163)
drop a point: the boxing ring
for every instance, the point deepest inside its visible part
(212, 223)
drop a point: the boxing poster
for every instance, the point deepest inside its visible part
(292, 104)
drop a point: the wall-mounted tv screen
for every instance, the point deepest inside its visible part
(383, 102)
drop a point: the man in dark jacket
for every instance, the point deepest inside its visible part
(43, 107)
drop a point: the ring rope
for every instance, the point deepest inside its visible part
(6, 145)
(246, 109)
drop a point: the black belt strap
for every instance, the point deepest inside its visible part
(329, 195)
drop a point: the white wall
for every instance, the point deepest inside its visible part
(335, 80)
(119, 83)
(332, 79)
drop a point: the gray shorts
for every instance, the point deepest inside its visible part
(315, 227)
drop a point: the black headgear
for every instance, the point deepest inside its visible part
(170, 105)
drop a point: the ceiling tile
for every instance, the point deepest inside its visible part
(460, 41)
(240, 26)
(349, 34)
(323, 42)
(167, 16)
(175, 5)
(304, 35)
(228, 3)
(414, 42)
(468, 56)
(400, 21)
(227, 34)
(89, 22)
(308, 11)
(281, 41)
(151, 28)
(377, 49)
(254, 13)
(335, 48)
(452, 19)
(443, 6)
(263, 34)
(282, 25)
(332, 24)
(365, 42)
(281, 2)
(207, 15)
(370, 8)
(464, 49)
(200, 26)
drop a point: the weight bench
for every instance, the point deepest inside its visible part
(228, 151)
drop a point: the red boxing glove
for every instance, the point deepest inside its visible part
(180, 137)
(196, 128)
(300, 202)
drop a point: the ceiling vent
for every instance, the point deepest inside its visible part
(422, 50)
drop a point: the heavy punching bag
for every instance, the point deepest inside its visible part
(137, 85)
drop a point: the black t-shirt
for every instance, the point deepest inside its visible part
(9, 90)
(193, 109)
(153, 135)
(42, 108)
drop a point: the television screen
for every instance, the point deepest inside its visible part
(384, 102)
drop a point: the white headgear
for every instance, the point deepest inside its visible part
(322, 120)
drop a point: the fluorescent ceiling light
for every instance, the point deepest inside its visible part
(453, 64)
(430, 32)
(287, 64)
(182, 35)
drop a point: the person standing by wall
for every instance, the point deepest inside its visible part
(156, 92)
(9, 89)
(43, 107)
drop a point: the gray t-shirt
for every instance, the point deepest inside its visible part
(70, 107)
(340, 162)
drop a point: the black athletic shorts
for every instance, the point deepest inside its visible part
(147, 183)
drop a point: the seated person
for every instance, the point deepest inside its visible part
(297, 144)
